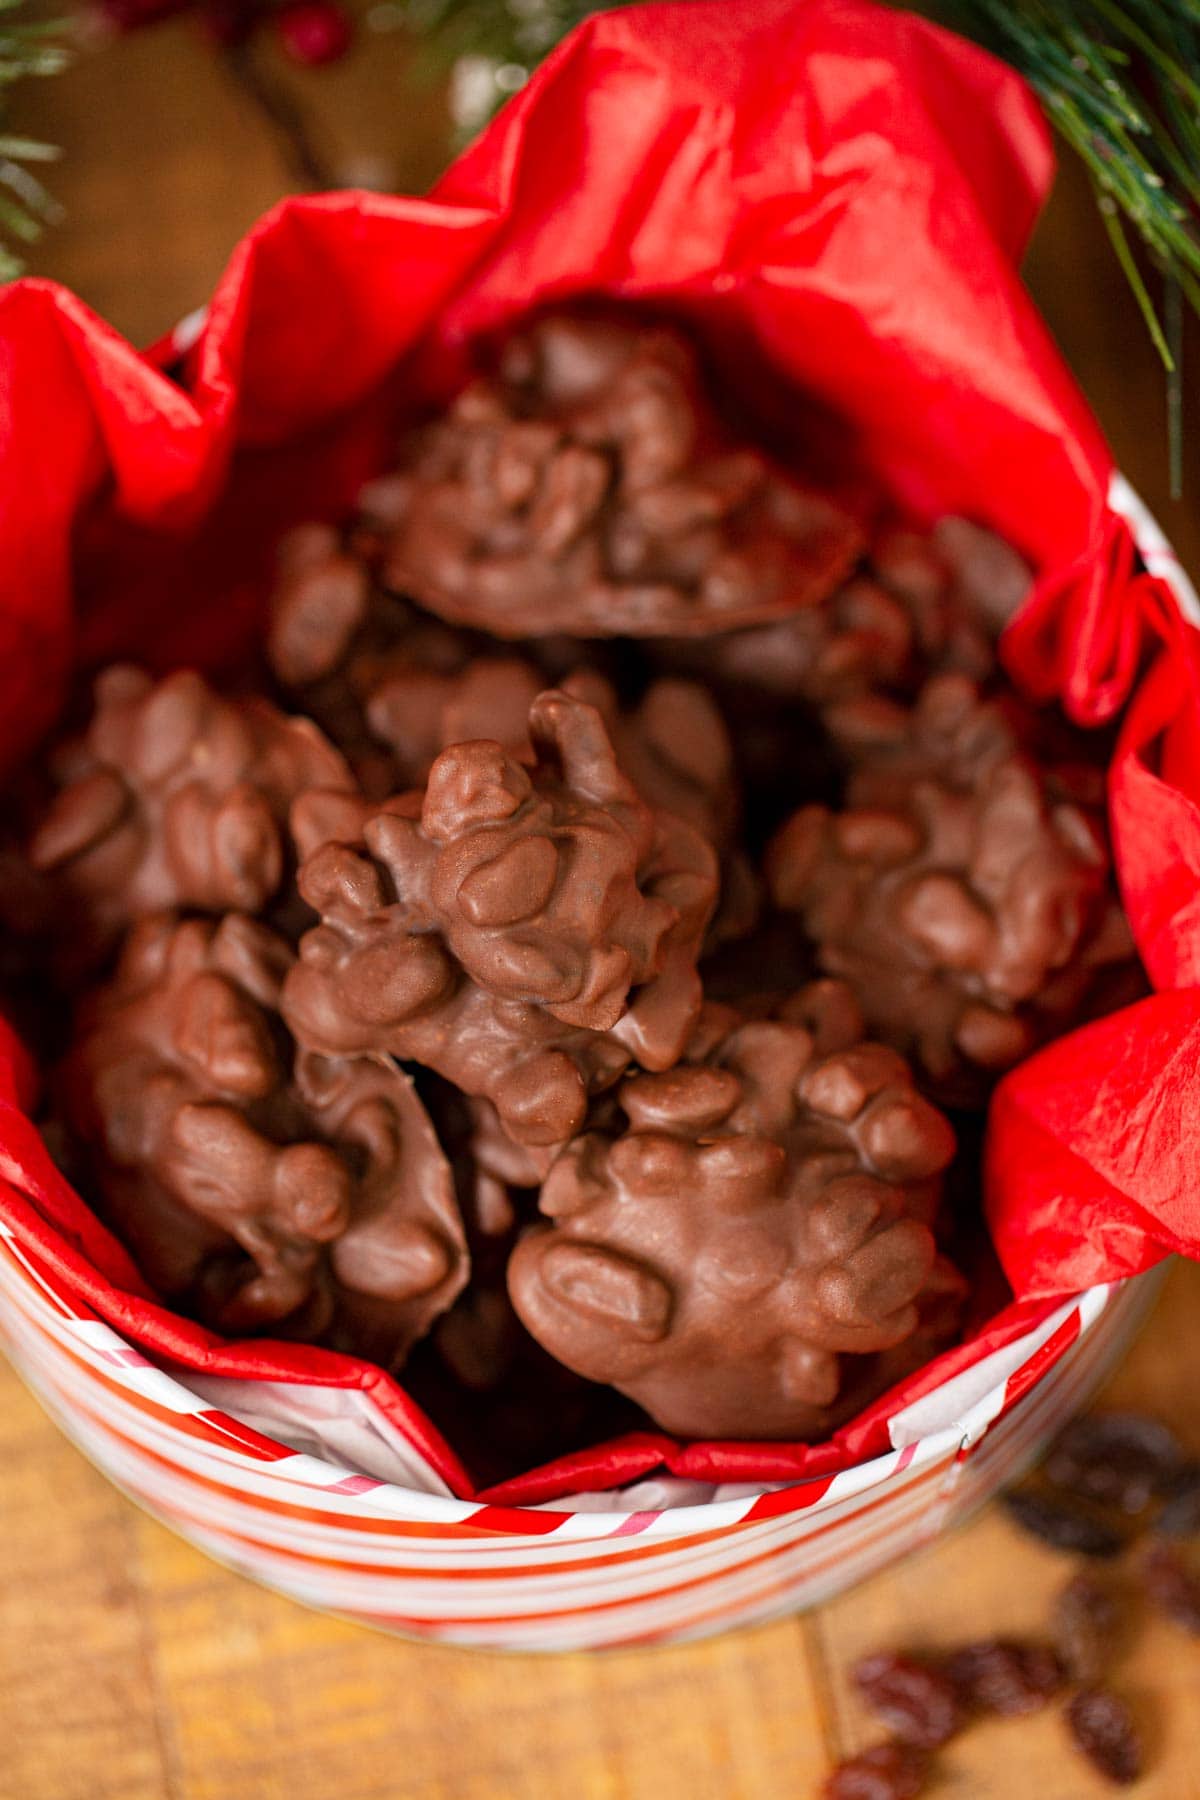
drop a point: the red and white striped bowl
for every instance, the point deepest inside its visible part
(664, 1561)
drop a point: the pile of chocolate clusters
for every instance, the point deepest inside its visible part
(578, 1013)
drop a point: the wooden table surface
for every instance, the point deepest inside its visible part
(131, 1667)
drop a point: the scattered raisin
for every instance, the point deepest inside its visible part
(1180, 1517)
(1000, 1675)
(1104, 1466)
(914, 1699)
(885, 1772)
(1062, 1524)
(1085, 1621)
(1119, 1459)
(1102, 1726)
(1172, 1586)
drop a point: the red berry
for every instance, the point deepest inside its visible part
(314, 31)
(230, 22)
(129, 15)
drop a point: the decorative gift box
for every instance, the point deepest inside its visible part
(832, 196)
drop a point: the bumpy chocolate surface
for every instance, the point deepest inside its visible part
(857, 638)
(588, 487)
(924, 603)
(965, 894)
(263, 1191)
(525, 930)
(418, 714)
(683, 1175)
(395, 688)
(959, 584)
(673, 744)
(178, 797)
(375, 673)
(763, 1215)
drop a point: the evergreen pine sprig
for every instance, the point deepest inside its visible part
(519, 32)
(27, 47)
(491, 45)
(1120, 80)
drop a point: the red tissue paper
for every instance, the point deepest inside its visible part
(834, 195)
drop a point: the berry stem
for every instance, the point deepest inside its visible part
(283, 114)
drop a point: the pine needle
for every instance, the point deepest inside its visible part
(1120, 80)
(27, 48)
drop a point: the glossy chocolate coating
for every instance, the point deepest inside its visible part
(676, 748)
(924, 603)
(381, 677)
(963, 891)
(480, 1342)
(673, 744)
(419, 713)
(262, 1190)
(960, 585)
(857, 639)
(177, 798)
(587, 487)
(335, 639)
(721, 1214)
(525, 930)
(764, 1213)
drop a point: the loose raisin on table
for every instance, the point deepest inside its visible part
(1001, 1675)
(1180, 1517)
(1102, 1726)
(914, 1699)
(1063, 1524)
(1171, 1586)
(885, 1772)
(1119, 1459)
(1085, 1620)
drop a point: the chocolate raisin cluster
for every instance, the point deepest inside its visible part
(256, 1182)
(763, 1207)
(963, 888)
(526, 929)
(587, 485)
(175, 798)
(548, 973)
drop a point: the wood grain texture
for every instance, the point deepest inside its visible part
(132, 1667)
